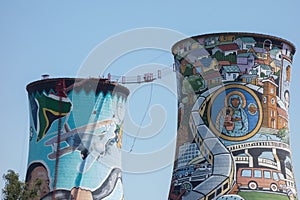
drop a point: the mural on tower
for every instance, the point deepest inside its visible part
(233, 131)
(75, 138)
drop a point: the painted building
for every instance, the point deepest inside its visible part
(211, 41)
(262, 70)
(206, 64)
(249, 78)
(261, 53)
(269, 104)
(230, 72)
(276, 53)
(226, 38)
(226, 49)
(197, 54)
(187, 152)
(212, 78)
(240, 126)
(75, 138)
(245, 42)
(245, 61)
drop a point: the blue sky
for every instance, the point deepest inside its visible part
(55, 37)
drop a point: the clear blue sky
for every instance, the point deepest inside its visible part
(55, 37)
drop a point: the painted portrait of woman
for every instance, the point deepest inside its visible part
(233, 120)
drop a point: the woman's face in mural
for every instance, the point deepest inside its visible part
(40, 173)
(287, 97)
(235, 102)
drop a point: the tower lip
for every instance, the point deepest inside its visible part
(247, 34)
(50, 83)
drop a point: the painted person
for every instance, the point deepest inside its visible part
(287, 99)
(35, 172)
(234, 120)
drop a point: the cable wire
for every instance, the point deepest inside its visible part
(139, 129)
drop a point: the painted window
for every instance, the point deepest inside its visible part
(267, 174)
(275, 176)
(271, 113)
(211, 197)
(225, 186)
(219, 191)
(247, 173)
(272, 101)
(288, 73)
(265, 99)
(257, 173)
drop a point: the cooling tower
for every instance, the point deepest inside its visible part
(75, 138)
(233, 139)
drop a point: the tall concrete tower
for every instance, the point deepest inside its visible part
(233, 105)
(75, 138)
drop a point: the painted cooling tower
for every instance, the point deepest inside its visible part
(233, 132)
(75, 138)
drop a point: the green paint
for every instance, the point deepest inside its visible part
(261, 195)
(49, 105)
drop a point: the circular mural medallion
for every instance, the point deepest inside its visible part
(234, 112)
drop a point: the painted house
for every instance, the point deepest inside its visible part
(212, 78)
(261, 53)
(276, 54)
(226, 38)
(226, 49)
(183, 48)
(210, 41)
(205, 64)
(209, 64)
(263, 70)
(230, 73)
(197, 54)
(245, 42)
(246, 61)
(249, 78)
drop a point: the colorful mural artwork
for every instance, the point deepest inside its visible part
(75, 138)
(233, 131)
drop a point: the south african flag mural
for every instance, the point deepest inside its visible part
(46, 108)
